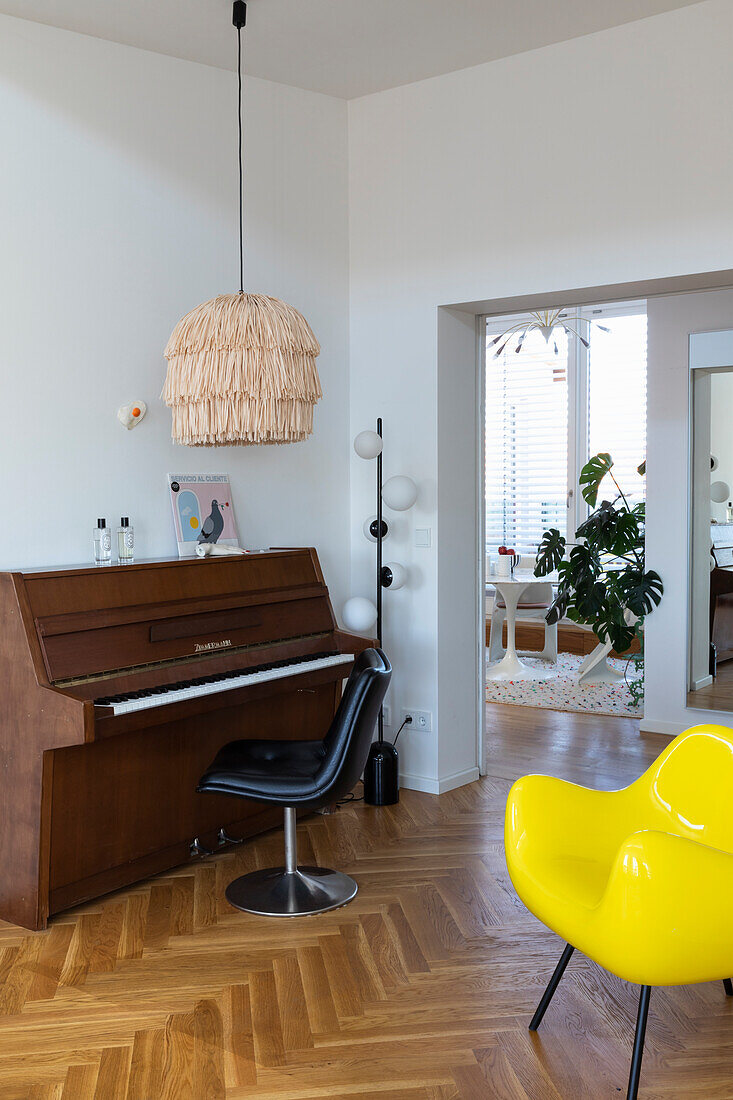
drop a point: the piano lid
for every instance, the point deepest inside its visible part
(101, 619)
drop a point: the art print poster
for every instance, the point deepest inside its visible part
(202, 511)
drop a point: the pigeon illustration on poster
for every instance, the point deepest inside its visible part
(202, 511)
(213, 525)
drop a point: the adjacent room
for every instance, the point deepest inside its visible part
(366, 617)
(562, 387)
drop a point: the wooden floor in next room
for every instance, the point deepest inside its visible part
(420, 990)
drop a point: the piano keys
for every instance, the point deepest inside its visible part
(121, 683)
(227, 681)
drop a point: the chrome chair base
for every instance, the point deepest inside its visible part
(302, 892)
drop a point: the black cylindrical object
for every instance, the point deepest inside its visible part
(382, 775)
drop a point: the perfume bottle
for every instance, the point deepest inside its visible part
(102, 538)
(125, 542)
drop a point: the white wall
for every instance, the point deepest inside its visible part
(671, 320)
(118, 214)
(458, 195)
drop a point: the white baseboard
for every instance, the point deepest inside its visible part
(704, 682)
(419, 783)
(652, 725)
(458, 779)
(438, 786)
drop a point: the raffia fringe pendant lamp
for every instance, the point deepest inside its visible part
(242, 367)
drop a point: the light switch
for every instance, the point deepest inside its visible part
(423, 537)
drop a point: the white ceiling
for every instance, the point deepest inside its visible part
(342, 47)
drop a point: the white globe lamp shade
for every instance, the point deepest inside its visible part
(367, 529)
(368, 444)
(719, 492)
(398, 574)
(399, 493)
(359, 615)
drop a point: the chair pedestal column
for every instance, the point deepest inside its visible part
(291, 891)
(291, 841)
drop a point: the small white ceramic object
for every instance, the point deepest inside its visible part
(214, 550)
(131, 415)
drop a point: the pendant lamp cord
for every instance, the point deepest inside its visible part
(239, 19)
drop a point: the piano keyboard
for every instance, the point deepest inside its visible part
(227, 681)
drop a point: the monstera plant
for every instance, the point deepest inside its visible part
(604, 582)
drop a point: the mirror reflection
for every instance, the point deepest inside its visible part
(710, 682)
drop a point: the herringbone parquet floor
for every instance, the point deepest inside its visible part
(421, 989)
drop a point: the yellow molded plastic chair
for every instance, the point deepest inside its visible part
(640, 880)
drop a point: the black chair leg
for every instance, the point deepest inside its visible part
(728, 986)
(638, 1054)
(551, 987)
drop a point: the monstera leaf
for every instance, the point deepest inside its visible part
(550, 552)
(558, 609)
(614, 530)
(626, 533)
(642, 592)
(598, 523)
(590, 600)
(592, 475)
(611, 626)
(603, 576)
(584, 566)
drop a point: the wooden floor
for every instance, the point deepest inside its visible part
(421, 989)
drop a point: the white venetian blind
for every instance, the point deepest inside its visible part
(617, 398)
(526, 440)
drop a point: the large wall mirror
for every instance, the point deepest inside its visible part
(710, 613)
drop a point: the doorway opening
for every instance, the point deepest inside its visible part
(555, 395)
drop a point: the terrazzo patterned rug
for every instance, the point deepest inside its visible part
(564, 692)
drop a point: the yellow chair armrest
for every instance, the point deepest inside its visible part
(666, 916)
(543, 813)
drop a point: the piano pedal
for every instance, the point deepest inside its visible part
(196, 848)
(224, 838)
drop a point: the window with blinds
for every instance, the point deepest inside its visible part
(526, 442)
(546, 413)
(617, 399)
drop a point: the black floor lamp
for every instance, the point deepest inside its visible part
(381, 775)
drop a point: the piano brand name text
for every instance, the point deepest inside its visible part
(200, 646)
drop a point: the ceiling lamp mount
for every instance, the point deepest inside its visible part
(545, 321)
(242, 367)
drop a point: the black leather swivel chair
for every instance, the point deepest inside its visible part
(305, 775)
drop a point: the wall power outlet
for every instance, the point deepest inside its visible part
(422, 720)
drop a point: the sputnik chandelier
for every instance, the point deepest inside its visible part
(544, 321)
(242, 367)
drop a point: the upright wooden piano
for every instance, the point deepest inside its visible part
(119, 685)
